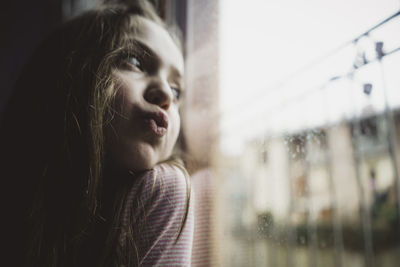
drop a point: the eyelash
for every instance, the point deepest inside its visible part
(176, 92)
(137, 62)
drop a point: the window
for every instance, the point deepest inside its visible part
(299, 123)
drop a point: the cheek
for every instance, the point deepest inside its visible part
(127, 90)
(173, 131)
(177, 126)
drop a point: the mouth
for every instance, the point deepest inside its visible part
(158, 122)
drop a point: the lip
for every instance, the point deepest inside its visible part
(157, 122)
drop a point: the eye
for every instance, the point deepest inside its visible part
(177, 92)
(134, 62)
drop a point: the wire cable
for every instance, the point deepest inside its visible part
(273, 110)
(308, 66)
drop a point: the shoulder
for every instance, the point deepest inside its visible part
(160, 216)
(164, 180)
(165, 188)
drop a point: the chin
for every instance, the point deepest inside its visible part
(141, 162)
(138, 156)
(142, 165)
(144, 157)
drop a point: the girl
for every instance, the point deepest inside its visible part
(86, 144)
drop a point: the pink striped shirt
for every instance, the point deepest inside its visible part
(156, 207)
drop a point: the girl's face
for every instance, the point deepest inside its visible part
(148, 85)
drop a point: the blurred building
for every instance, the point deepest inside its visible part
(333, 180)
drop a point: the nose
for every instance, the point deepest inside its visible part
(159, 93)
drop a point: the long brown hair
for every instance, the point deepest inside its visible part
(53, 159)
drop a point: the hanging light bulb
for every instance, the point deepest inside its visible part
(367, 88)
(379, 50)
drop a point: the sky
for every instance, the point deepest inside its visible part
(265, 46)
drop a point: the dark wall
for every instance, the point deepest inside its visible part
(24, 23)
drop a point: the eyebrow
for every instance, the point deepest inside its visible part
(151, 53)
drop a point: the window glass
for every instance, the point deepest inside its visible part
(300, 118)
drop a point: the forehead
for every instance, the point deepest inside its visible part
(159, 41)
